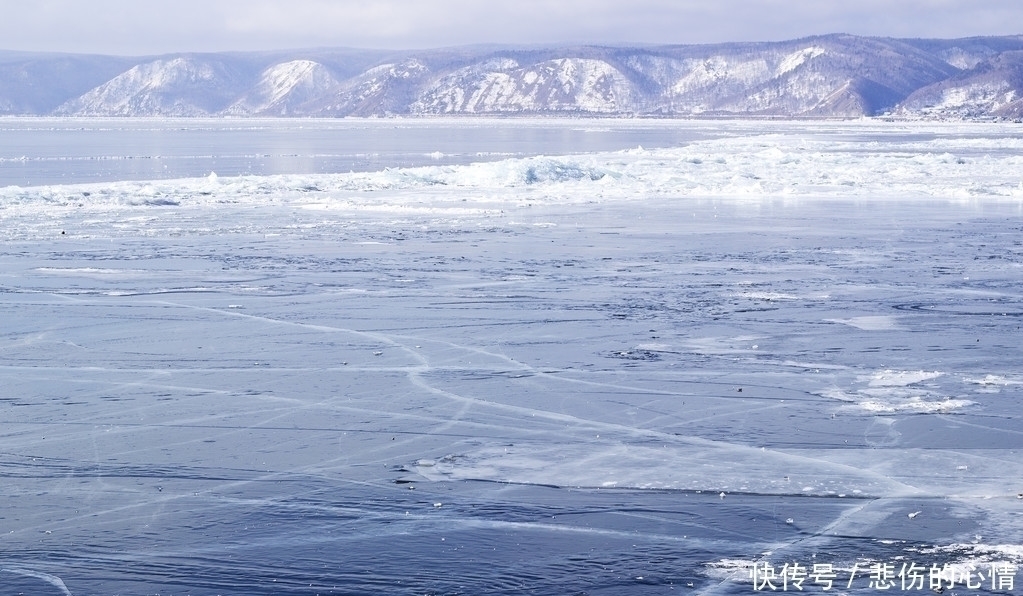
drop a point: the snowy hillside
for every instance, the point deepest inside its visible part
(841, 76)
(993, 87)
(173, 87)
(502, 86)
(826, 76)
(283, 89)
(380, 91)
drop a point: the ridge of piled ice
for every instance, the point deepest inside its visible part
(779, 165)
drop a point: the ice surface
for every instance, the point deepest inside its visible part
(624, 372)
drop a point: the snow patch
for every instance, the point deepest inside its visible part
(797, 59)
(682, 463)
(896, 391)
(870, 322)
(900, 378)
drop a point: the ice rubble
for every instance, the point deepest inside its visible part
(759, 167)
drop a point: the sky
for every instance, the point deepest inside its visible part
(148, 27)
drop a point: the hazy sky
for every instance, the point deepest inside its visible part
(137, 27)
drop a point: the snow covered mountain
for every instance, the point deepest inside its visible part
(579, 85)
(831, 76)
(181, 86)
(285, 89)
(383, 90)
(993, 87)
(824, 76)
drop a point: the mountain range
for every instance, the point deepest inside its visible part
(830, 76)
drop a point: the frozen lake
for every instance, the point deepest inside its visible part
(37, 151)
(743, 346)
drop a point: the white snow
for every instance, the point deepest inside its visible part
(964, 100)
(894, 391)
(870, 322)
(681, 463)
(569, 84)
(900, 378)
(797, 59)
(137, 91)
(283, 87)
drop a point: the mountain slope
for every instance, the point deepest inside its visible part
(382, 90)
(993, 87)
(817, 77)
(181, 86)
(284, 89)
(36, 84)
(837, 75)
(501, 86)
